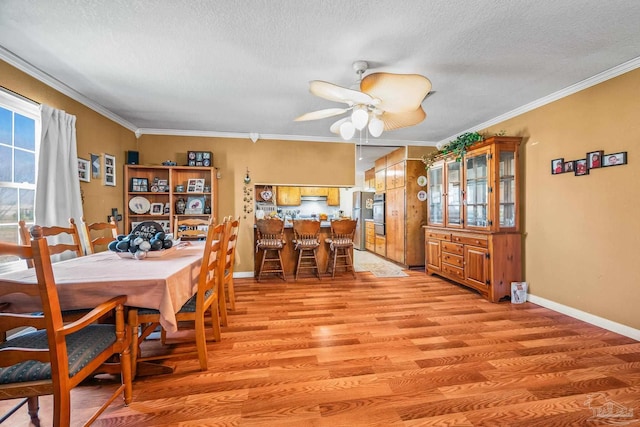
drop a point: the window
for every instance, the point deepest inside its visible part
(19, 140)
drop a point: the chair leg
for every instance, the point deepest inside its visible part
(264, 257)
(281, 265)
(215, 322)
(222, 305)
(299, 262)
(350, 261)
(126, 363)
(335, 258)
(231, 292)
(61, 407)
(315, 257)
(201, 340)
(33, 407)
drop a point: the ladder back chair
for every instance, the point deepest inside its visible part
(230, 261)
(98, 236)
(341, 245)
(59, 233)
(306, 240)
(191, 228)
(206, 299)
(51, 357)
(270, 242)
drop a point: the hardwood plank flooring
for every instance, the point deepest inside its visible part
(410, 351)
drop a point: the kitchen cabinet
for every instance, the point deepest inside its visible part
(333, 196)
(288, 196)
(380, 174)
(370, 236)
(158, 199)
(313, 191)
(370, 178)
(473, 218)
(381, 245)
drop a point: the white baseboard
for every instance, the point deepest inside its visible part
(609, 325)
(243, 274)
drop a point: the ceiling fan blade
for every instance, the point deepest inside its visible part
(337, 93)
(400, 120)
(335, 127)
(321, 114)
(398, 93)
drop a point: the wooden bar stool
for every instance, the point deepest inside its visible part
(306, 240)
(270, 242)
(341, 245)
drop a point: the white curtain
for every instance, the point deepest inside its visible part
(57, 185)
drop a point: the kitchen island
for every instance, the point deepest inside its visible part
(290, 255)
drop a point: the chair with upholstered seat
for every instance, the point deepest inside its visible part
(341, 245)
(270, 233)
(48, 356)
(306, 240)
(206, 299)
(191, 228)
(100, 234)
(59, 239)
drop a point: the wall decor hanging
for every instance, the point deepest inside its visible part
(593, 160)
(615, 159)
(109, 170)
(84, 170)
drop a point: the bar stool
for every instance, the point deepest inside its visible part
(306, 240)
(271, 242)
(341, 245)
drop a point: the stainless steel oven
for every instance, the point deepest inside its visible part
(378, 213)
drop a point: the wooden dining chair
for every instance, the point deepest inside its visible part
(59, 239)
(48, 356)
(100, 234)
(190, 228)
(230, 261)
(341, 245)
(144, 320)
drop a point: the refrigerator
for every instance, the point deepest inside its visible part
(362, 210)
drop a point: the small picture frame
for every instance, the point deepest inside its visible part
(163, 185)
(594, 159)
(557, 166)
(615, 159)
(157, 209)
(195, 185)
(569, 166)
(139, 185)
(167, 208)
(195, 206)
(109, 170)
(84, 170)
(95, 166)
(581, 167)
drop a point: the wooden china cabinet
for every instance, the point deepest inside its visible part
(472, 234)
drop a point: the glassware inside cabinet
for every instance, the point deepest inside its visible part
(507, 194)
(477, 191)
(435, 194)
(454, 193)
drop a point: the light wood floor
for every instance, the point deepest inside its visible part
(414, 351)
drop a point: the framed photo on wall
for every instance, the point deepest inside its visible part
(594, 159)
(569, 166)
(95, 166)
(157, 208)
(557, 166)
(84, 170)
(615, 159)
(581, 167)
(109, 170)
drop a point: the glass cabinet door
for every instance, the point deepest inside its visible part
(477, 191)
(435, 194)
(454, 193)
(507, 195)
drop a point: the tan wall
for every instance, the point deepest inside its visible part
(581, 232)
(269, 162)
(95, 134)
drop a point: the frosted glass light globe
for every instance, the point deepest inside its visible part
(347, 130)
(376, 126)
(359, 117)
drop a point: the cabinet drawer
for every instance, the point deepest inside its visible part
(454, 271)
(481, 241)
(453, 248)
(437, 235)
(452, 259)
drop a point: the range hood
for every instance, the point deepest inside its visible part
(313, 198)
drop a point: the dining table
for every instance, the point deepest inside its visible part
(163, 281)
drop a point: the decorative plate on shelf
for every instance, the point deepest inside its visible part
(139, 205)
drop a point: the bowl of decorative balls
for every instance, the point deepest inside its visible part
(147, 239)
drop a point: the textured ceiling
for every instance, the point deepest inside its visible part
(235, 67)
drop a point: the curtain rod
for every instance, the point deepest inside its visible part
(24, 98)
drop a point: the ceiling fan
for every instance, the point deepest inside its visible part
(380, 102)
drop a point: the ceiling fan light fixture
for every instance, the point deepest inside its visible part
(360, 117)
(376, 126)
(347, 130)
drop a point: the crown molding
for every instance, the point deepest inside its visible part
(570, 90)
(56, 84)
